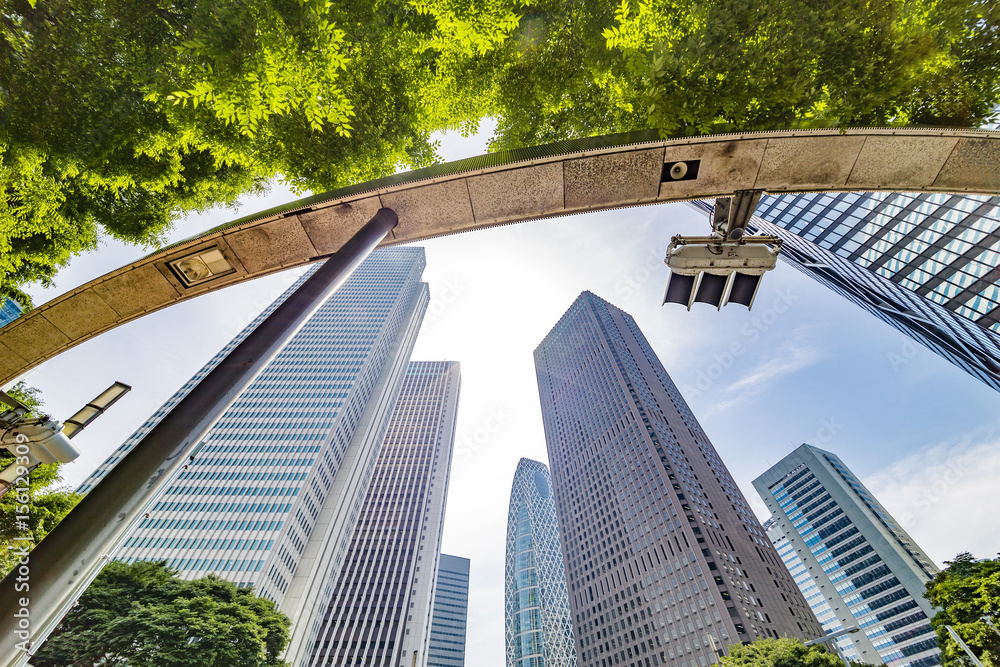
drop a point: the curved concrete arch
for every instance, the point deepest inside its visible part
(578, 176)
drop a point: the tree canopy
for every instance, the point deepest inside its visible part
(28, 516)
(142, 615)
(784, 652)
(965, 591)
(120, 115)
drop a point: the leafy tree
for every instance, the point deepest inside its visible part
(754, 66)
(784, 652)
(142, 615)
(561, 81)
(965, 591)
(118, 115)
(28, 515)
(736, 65)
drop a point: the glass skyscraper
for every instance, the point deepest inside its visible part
(10, 310)
(927, 264)
(539, 627)
(380, 611)
(867, 567)
(665, 561)
(272, 495)
(451, 613)
(820, 607)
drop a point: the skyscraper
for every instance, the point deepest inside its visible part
(451, 613)
(539, 627)
(810, 590)
(380, 611)
(664, 559)
(271, 498)
(866, 566)
(926, 264)
(10, 310)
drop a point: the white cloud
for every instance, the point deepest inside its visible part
(946, 496)
(789, 359)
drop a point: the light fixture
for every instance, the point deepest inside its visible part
(707, 269)
(95, 408)
(37, 440)
(725, 267)
(201, 266)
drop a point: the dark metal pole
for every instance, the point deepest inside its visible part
(61, 567)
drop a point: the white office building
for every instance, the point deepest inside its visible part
(868, 569)
(273, 493)
(380, 610)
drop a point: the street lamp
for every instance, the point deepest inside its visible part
(725, 267)
(36, 440)
(719, 653)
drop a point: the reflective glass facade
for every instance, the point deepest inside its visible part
(539, 627)
(9, 311)
(867, 567)
(820, 607)
(451, 613)
(380, 612)
(927, 264)
(665, 561)
(272, 495)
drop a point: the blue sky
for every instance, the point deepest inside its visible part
(809, 367)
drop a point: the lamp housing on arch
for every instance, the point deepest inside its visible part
(707, 269)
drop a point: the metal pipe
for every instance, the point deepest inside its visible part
(60, 568)
(964, 646)
(989, 622)
(832, 638)
(833, 635)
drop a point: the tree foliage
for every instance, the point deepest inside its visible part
(118, 115)
(965, 591)
(784, 652)
(142, 615)
(756, 65)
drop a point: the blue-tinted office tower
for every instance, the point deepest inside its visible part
(272, 496)
(926, 264)
(868, 569)
(10, 310)
(539, 626)
(665, 561)
(821, 609)
(451, 613)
